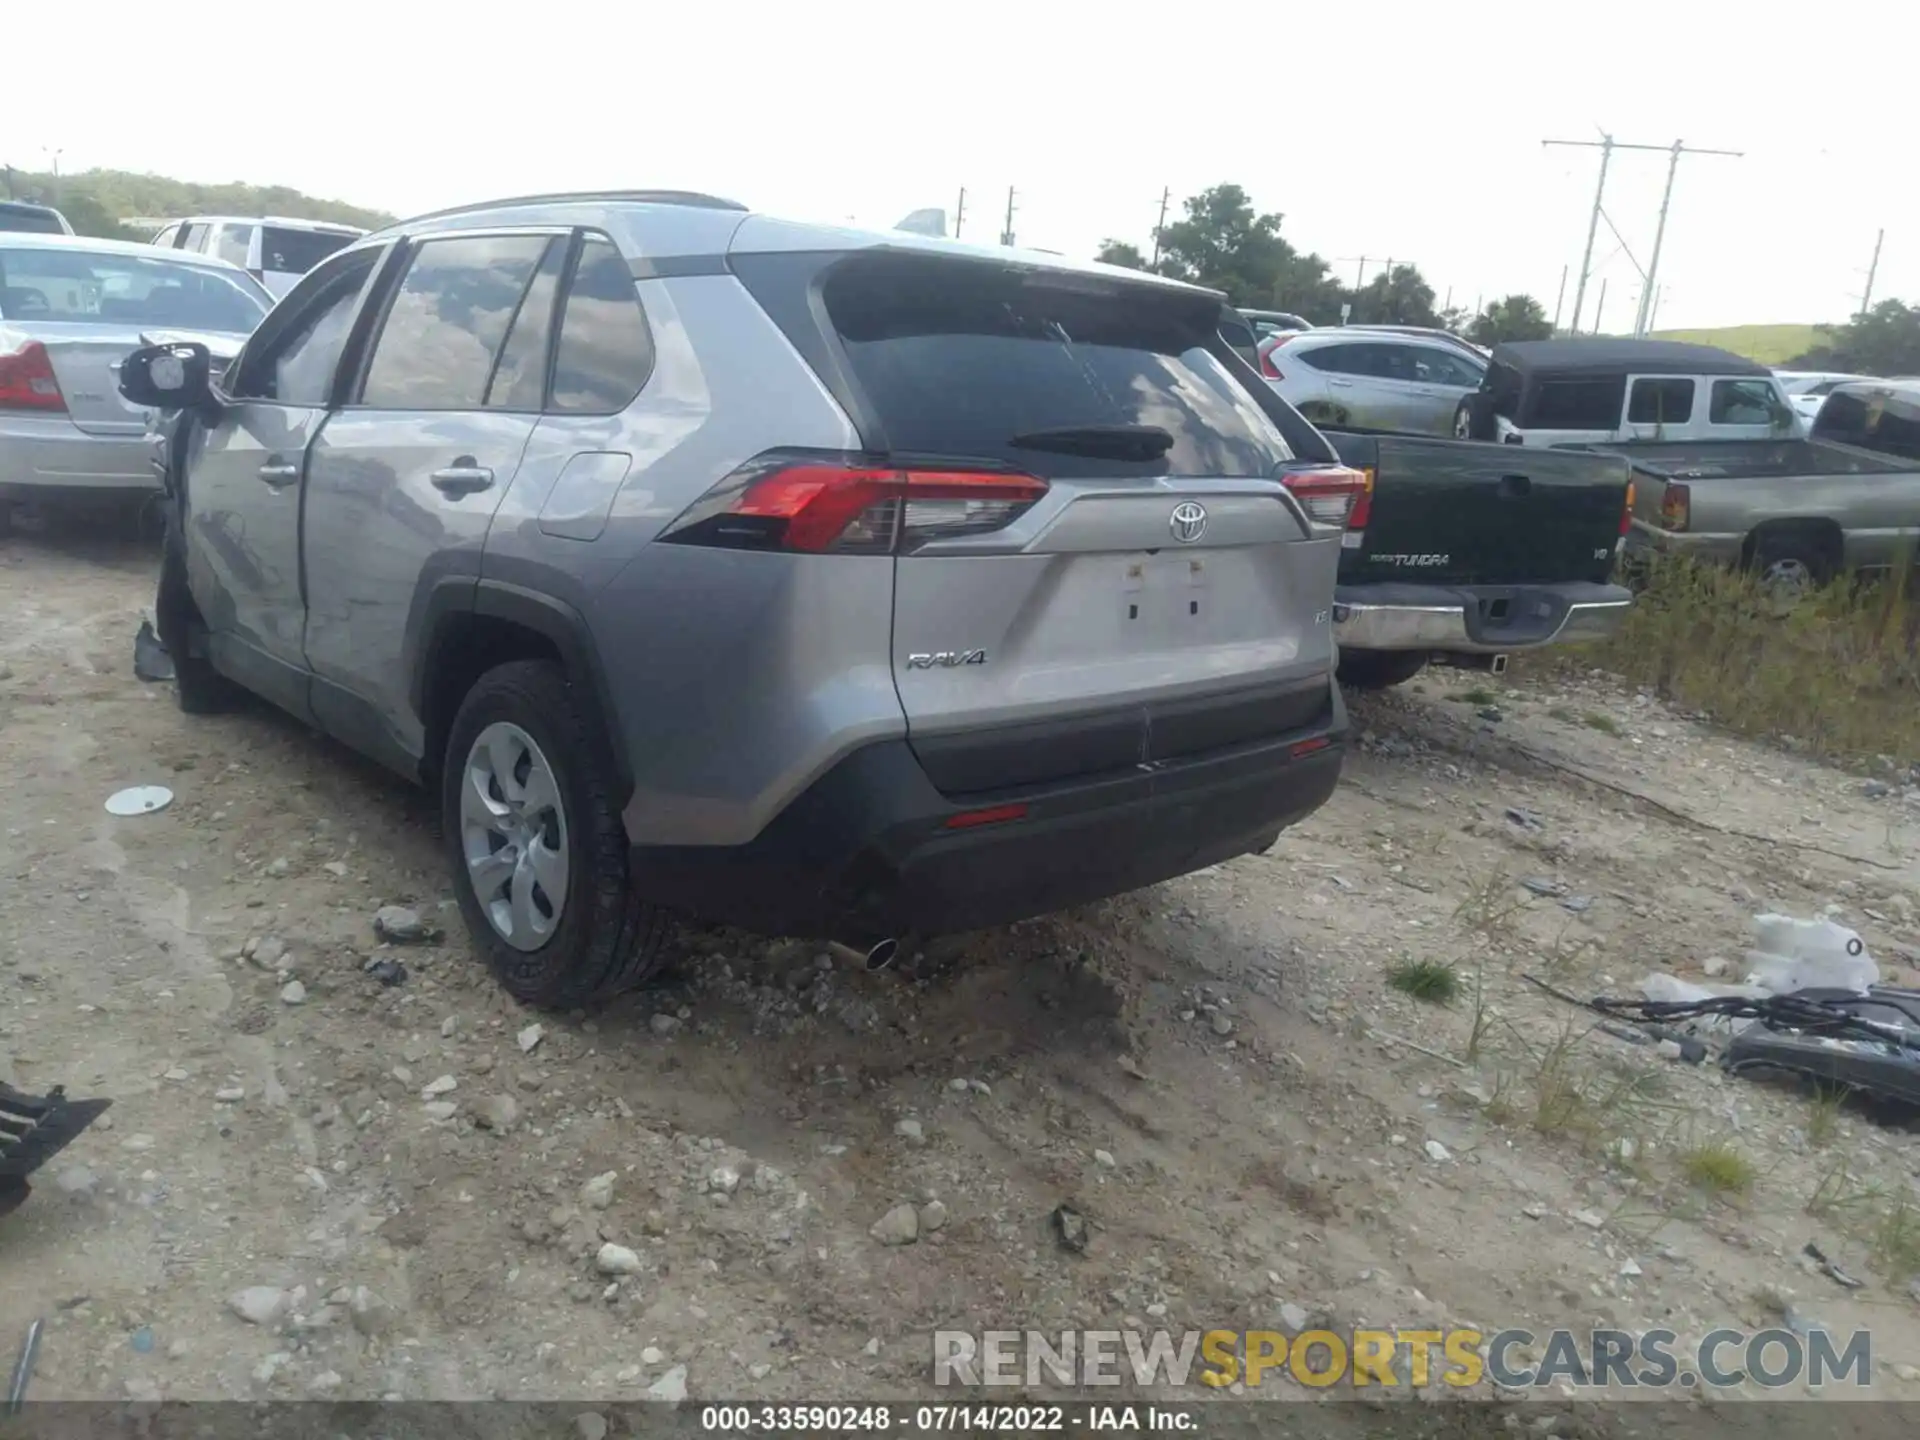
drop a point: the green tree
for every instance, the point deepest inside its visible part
(1224, 244)
(1119, 252)
(1306, 288)
(89, 217)
(1885, 341)
(1515, 317)
(1400, 296)
(115, 195)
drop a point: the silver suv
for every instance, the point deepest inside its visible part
(820, 582)
(1374, 379)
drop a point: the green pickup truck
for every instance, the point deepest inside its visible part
(1464, 552)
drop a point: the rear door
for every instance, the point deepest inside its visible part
(1443, 380)
(1747, 408)
(1143, 606)
(410, 471)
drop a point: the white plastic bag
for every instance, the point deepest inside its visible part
(1790, 955)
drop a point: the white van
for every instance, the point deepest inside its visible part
(275, 250)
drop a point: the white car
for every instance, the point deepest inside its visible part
(1807, 390)
(273, 249)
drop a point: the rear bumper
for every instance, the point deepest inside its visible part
(48, 453)
(1476, 619)
(867, 851)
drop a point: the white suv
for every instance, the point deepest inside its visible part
(276, 251)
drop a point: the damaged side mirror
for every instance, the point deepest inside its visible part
(168, 377)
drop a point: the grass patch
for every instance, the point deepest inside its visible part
(1823, 1115)
(1479, 695)
(1598, 720)
(1886, 1223)
(1433, 981)
(1717, 1166)
(1838, 673)
(1765, 344)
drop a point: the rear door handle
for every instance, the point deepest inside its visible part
(463, 477)
(1341, 384)
(276, 472)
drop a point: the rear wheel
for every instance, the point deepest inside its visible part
(1463, 420)
(1791, 562)
(1379, 669)
(537, 848)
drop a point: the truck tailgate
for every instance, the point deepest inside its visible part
(1462, 512)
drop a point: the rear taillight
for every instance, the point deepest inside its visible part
(1676, 506)
(1363, 504)
(1268, 370)
(1329, 496)
(1626, 515)
(835, 505)
(27, 380)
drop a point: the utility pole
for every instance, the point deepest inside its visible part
(1006, 235)
(1560, 299)
(1600, 305)
(1360, 275)
(1641, 323)
(1166, 194)
(1866, 300)
(960, 213)
(1605, 146)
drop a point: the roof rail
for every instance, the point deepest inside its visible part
(691, 198)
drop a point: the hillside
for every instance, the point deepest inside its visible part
(1766, 344)
(96, 200)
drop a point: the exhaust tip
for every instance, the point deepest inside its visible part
(1497, 665)
(883, 955)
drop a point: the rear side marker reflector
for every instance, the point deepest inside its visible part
(816, 505)
(1331, 495)
(992, 815)
(1307, 747)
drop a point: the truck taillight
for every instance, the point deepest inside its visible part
(1626, 514)
(1676, 506)
(1330, 496)
(836, 505)
(27, 381)
(1363, 503)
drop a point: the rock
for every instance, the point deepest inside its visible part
(1667, 1049)
(597, 1193)
(530, 1037)
(653, 1355)
(933, 1216)
(1104, 1159)
(498, 1113)
(230, 1095)
(336, 868)
(264, 1372)
(279, 866)
(899, 1226)
(616, 1260)
(1294, 1317)
(1222, 1024)
(958, 1085)
(399, 924)
(910, 1131)
(670, 1387)
(723, 1179)
(440, 1109)
(663, 1024)
(76, 1180)
(1592, 1219)
(1438, 1153)
(1630, 1268)
(760, 1371)
(293, 993)
(435, 1088)
(448, 1027)
(259, 1304)
(1715, 965)
(370, 1313)
(872, 1347)
(325, 1382)
(590, 1426)
(387, 970)
(268, 952)
(1904, 1372)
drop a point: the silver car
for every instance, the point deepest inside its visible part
(1373, 380)
(816, 581)
(71, 308)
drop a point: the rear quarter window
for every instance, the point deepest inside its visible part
(1577, 404)
(959, 359)
(1660, 402)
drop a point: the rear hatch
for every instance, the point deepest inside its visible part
(1155, 591)
(1451, 512)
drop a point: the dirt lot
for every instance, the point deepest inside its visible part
(1259, 1130)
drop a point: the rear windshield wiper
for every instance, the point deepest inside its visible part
(1101, 442)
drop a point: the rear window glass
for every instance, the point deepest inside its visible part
(1872, 420)
(30, 220)
(1578, 404)
(1660, 402)
(294, 252)
(78, 287)
(958, 360)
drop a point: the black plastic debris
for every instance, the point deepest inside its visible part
(1070, 1228)
(387, 971)
(151, 662)
(1828, 1268)
(33, 1129)
(1865, 1043)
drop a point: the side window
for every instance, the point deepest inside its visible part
(196, 238)
(1235, 331)
(447, 322)
(1741, 402)
(235, 241)
(1438, 367)
(606, 348)
(1380, 362)
(1577, 404)
(520, 375)
(1332, 359)
(167, 237)
(1660, 402)
(296, 365)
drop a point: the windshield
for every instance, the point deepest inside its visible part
(75, 286)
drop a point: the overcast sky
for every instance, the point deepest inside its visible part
(1388, 129)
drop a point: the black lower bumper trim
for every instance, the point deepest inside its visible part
(866, 851)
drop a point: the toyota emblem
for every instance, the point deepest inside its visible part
(1188, 522)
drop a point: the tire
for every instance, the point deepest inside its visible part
(1463, 420)
(1379, 669)
(197, 686)
(1788, 563)
(600, 938)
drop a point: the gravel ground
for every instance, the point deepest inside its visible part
(316, 1183)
